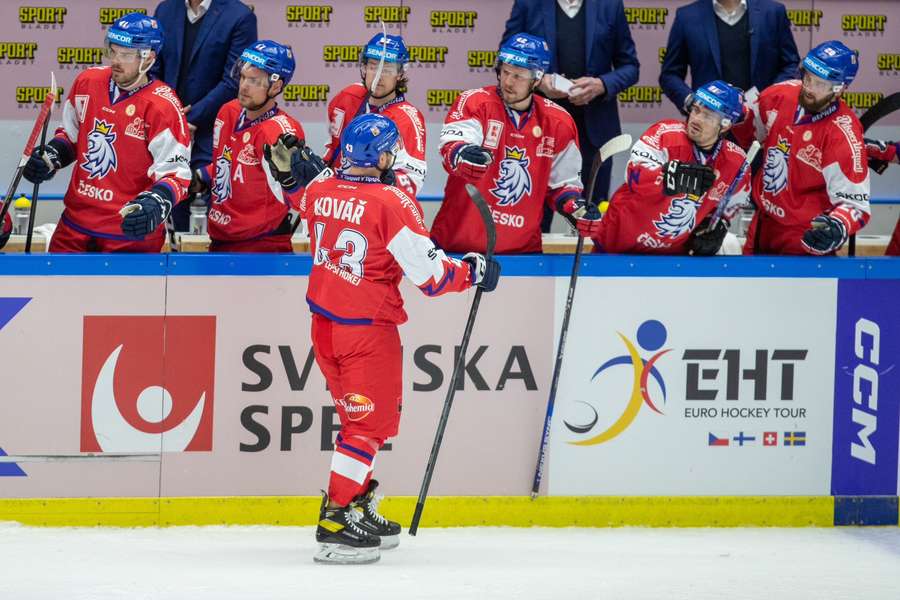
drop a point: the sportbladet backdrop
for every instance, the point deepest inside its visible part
(452, 46)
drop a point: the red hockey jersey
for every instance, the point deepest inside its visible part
(642, 219)
(123, 143)
(247, 201)
(811, 165)
(364, 236)
(536, 161)
(410, 167)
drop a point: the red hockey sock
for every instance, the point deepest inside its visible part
(351, 468)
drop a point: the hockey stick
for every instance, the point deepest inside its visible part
(491, 233)
(614, 146)
(725, 200)
(39, 126)
(32, 213)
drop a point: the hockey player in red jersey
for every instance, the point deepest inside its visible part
(254, 142)
(383, 72)
(129, 142)
(364, 236)
(881, 154)
(812, 191)
(520, 150)
(675, 179)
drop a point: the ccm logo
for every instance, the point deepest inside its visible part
(865, 388)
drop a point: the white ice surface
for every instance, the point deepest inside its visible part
(274, 563)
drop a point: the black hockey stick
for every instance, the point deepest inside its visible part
(34, 197)
(491, 233)
(614, 146)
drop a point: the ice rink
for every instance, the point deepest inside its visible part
(275, 563)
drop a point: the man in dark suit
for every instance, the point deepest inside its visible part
(203, 39)
(747, 43)
(598, 56)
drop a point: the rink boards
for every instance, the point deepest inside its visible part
(694, 392)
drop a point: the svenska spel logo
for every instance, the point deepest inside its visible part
(147, 383)
(636, 366)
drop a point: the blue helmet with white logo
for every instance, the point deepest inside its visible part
(135, 30)
(275, 59)
(367, 137)
(722, 98)
(391, 47)
(832, 61)
(528, 51)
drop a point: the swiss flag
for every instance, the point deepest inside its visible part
(770, 438)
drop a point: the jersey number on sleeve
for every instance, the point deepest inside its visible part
(353, 244)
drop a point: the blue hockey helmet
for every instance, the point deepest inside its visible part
(722, 98)
(275, 59)
(367, 137)
(526, 50)
(833, 61)
(391, 47)
(136, 30)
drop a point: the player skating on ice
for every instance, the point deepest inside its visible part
(129, 143)
(364, 236)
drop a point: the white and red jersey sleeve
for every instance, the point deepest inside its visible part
(168, 141)
(410, 166)
(846, 171)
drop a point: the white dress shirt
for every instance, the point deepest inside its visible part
(729, 18)
(570, 7)
(192, 16)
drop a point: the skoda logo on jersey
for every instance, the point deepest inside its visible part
(222, 184)
(101, 155)
(775, 171)
(651, 335)
(514, 180)
(680, 218)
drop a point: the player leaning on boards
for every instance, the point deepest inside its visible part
(520, 151)
(812, 192)
(382, 67)
(129, 142)
(678, 173)
(254, 142)
(364, 236)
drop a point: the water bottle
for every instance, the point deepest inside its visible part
(21, 213)
(198, 216)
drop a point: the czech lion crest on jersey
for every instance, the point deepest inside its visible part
(680, 219)
(222, 184)
(514, 180)
(101, 154)
(775, 171)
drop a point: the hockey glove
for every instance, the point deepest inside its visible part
(881, 154)
(5, 230)
(388, 177)
(280, 159)
(825, 236)
(471, 161)
(687, 178)
(585, 218)
(146, 212)
(485, 273)
(705, 242)
(199, 183)
(46, 160)
(305, 164)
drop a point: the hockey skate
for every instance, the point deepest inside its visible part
(372, 521)
(341, 539)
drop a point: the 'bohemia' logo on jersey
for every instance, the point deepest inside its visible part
(306, 15)
(452, 19)
(863, 24)
(17, 52)
(775, 171)
(101, 155)
(356, 406)
(651, 335)
(805, 18)
(222, 183)
(108, 16)
(647, 17)
(147, 383)
(513, 180)
(42, 16)
(679, 220)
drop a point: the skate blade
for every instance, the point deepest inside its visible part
(389, 541)
(339, 554)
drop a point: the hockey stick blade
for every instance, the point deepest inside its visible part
(616, 145)
(485, 212)
(882, 108)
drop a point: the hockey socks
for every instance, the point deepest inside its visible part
(351, 468)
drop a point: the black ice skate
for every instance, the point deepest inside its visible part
(372, 521)
(341, 539)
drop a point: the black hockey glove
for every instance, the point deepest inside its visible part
(687, 178)
(485, 273)
(306, 165)
(881, 154)
(825, 236)
(280, 159)
(146, 212)
(389, 177)
(471, 161)
(46, 160)
(707, 243)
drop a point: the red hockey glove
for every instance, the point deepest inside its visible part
(585, 218)
(471, 161)
(881, 153)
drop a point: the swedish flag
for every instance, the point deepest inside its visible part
(794, 438)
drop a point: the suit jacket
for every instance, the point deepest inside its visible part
(226, 30)
(609, 55)
(694, 43)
